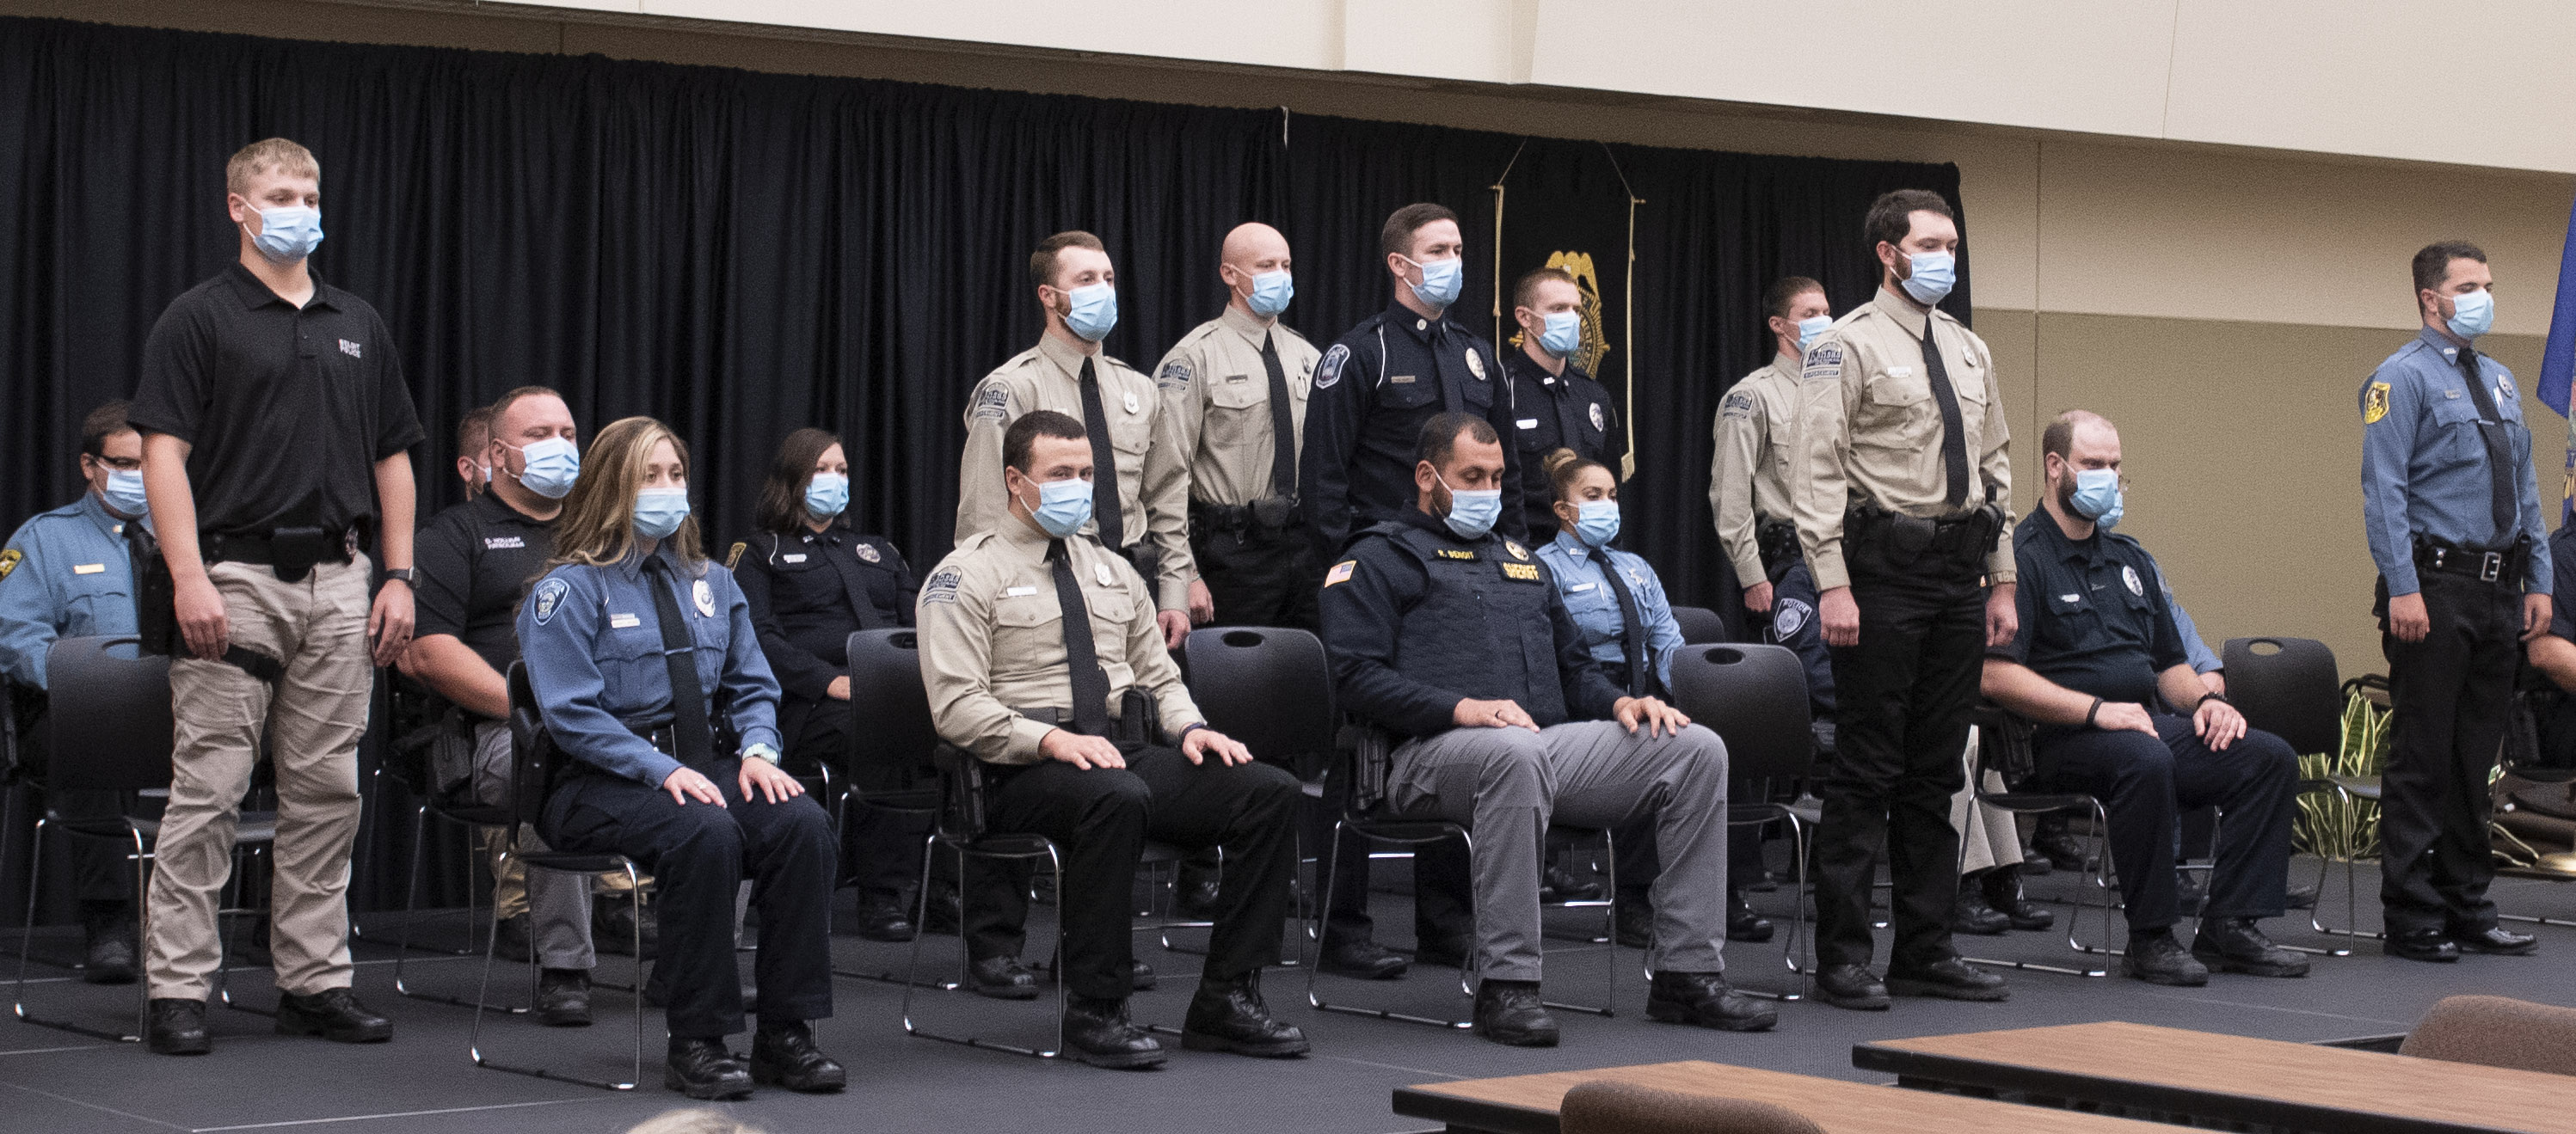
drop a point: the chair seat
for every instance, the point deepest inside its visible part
(253, 827)
(1161, 854)
(1406, 830)
(924, 800)
(575, 862)
(2035, 800)
(2361, 787)
(1034, 846)
(477, 814)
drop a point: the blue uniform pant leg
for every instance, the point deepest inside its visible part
(1497, 782)
(1793, 605)
(1609, 777)
(2255, 785)
(2133, 775)
(790, 858)
(2450, 694)
(1097, 819)
(695, 851)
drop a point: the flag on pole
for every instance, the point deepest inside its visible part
(2558, 365)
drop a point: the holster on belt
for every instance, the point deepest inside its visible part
(1904, 542)
(1147, 558)
(1270, 514)
(156, 610)
(1777, 543)
(1138, 723)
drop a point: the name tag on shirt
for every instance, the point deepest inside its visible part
(1456, 553)
(624, 622)
(799, 557)
(1237, 377)
(89, 568)
(1019, 592)
(1401, 380)
(1527, 423)
(1579, 588)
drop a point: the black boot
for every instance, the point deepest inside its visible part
(107, 955)
(2157, 958)
(1195, 888)
(1359, 957)
(1560, 882)
(1705, 1000)
(563, 998)
(1098, 1032)
(1508, 1012)
(1949, 979)
(2057, 844)
(1742, 924)
(614, 926)
(1970, 914)
(1851, 986)
(785, 1055)
(884, 918)
(333, 1014)
(2233, 945)
(1230, 1016)
(1140, 976)
(2002, 888)
(178, 1027)
(1002, 978)
(705, 1069)
(1632, 920)
(510, 940)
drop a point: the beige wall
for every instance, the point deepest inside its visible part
(2221, 302)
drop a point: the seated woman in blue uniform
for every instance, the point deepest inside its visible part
(1619, 604)
(687, 785)
(811, 580)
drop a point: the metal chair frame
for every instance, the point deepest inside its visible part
(2100, 873)
(958, 774)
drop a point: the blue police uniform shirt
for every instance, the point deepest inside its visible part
(1373, 391)
(1595, 606)
(2424, 463)
(592, 641)
(66, 574)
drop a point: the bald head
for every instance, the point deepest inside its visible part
(1253, 249)
(2075, 427)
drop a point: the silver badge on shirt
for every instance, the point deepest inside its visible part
(705, 596)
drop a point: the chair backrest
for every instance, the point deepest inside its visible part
(2497, 1032)
(108, 716)
(531, 749)
(1269, 687)
(888, 702)
(2287, 687)
(1605, 1106)
(1700, 625)
(1755, 698)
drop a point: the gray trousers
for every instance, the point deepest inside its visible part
(558, 903)
(1507, 784)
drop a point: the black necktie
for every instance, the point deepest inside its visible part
(1954, 439)
(689, 732)
(2500, 463)
(1104, 464)
(1569, 430)
(1453, 389)
(1082, 662)
(1632, 627)
(1283, 427)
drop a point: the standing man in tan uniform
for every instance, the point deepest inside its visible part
(1901, 492)
(1235, 390)
(1144, 475)
(1748, 485)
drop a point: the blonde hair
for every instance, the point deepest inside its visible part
(266, 155)
(598, 524)
(694, 1121)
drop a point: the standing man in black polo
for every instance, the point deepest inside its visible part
(1556, 403)
(276, 437)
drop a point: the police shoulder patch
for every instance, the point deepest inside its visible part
(1788, 615)
(942, 587)
(2374, 403)
(1175, 375)
(549, 598)
(1329, 370)
(733, 558)
(9, 561)
(992, 401)
(1824, 364)
(1341, 572)
(1737, 406)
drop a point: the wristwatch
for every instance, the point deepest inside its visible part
(401, 574)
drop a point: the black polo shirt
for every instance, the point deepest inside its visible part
(2092, 617)
(807, 593)
(473, 563)
(1551, 412)
(286, 411)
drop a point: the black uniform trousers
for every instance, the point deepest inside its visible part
(699, 856)
(2452, 694)
(881, 849)
(1903, 697)
(1259, 577)
(102, 875)
(1099, 820)
(2147, 782)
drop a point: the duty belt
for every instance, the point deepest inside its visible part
(290, 552)
(1270, 514)
(1905, 541)
(2503, 567)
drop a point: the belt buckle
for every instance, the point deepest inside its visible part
(2490, 567)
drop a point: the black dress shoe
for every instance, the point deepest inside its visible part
(2059, 846)
(613, 926)
(1851, 986)
(1763, 882)
(2300, 896)
(1508, 1012)
(178, 1027)
(1705, 1000)
(1632, 924)
(1231, 1017)
(1362, 958)
(2233, 945)
(1742, 924)
(1949, 979)
(2189, 891)
(705, 1069)
(2498, 941)
(942, 917)
(2034, 864)
(333, 1014)
(1195, 891)
(2157, 958)
(1560, 883)
(1140, 976)
(2001, 888)
(107, 954)
(1098, 1032)
(786, 1056)
(884, 919)
(563, 998)
(1970, 914)
(2421, 945)
(1446, 952)
(1002, 978)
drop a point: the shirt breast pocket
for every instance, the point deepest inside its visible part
(88, 609)
(810, 585)
(2455, 421)
(1409, 391)
(1588, 600)
(2073, 620)
(1027, 630)
(1238, 410)
(632, 675)
(1896, 411)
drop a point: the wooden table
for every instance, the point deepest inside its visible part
(1527, 1104)
(2233, 1078)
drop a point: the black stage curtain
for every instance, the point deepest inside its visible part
(742, 253)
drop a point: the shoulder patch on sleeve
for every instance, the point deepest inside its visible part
(1329, 370)
(1175, 375)
(1738, 405)
(733, 558)
(2374, 403)
(9, 561)
(1341, 572)
(992, 401)
(942, 587)
(549, 598)
(1824, 364)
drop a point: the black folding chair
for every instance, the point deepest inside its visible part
(474, 818)
(110, 726)
(892, 712)
(961, 828)
(2291, 688)
(1272, 689)
(1700, 625)
(413, 715)
(1755, 698)
(534, 761)
(1996, 728)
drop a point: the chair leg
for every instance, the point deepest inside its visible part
(920, 914)
(26, 946)
(1609, 938)
(1797, 911)
(483, 994)
(912, 1026)
(1315, 998)
(2100, 874)
(2352, 934)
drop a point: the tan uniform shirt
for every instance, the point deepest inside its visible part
(992, 640)
(1748, 477)
(1153, 489)
(1217, 393)
(1870, 429)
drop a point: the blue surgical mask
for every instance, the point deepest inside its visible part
(1092, 311)
(2473, 314)
(1441, 280)
(1810, 327)
(288, 233)
(1563, 334)
(1472, 514)
(1271, 292)
(1935, 273)
(125, 492)
(2097, 496)
(1597, 522)
(658, 511)
(1063, 506)
(553, 464)
(826, 495)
